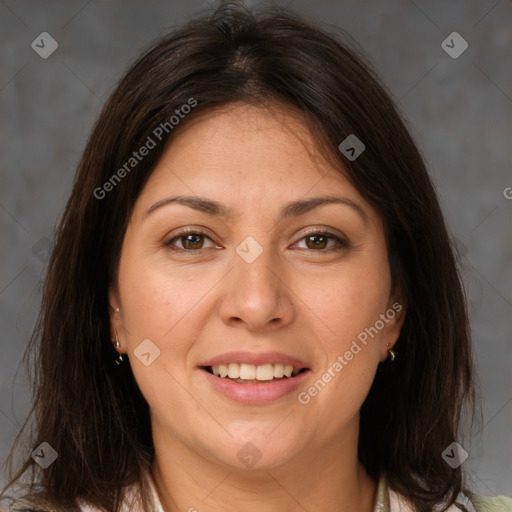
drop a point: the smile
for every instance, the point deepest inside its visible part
(253, 374)
(264, 389)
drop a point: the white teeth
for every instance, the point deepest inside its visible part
(278, 370)
(252, 372)
(233, 371)
(247, 371)
(265, 372)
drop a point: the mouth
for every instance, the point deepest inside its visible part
(254, 374)
(251, 378)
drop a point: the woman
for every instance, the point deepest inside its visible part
(252, 303)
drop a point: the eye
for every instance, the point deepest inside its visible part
(319, 240)
(192, 240)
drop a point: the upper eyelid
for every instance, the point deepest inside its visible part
(188, 231)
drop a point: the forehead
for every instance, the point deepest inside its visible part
(249, 158)
(240, 133)
(245, 144)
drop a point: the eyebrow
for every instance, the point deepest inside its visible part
(293, 209)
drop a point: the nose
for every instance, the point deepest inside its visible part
(256, 294)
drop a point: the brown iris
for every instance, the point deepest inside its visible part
(317, 245)
(192, 241)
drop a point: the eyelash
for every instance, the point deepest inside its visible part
(342, 243)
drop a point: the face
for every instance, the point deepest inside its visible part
(263, 275)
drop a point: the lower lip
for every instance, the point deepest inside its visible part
(251, 394)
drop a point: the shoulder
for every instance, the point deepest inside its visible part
(131, 501)
(494, 504)
(398, 503)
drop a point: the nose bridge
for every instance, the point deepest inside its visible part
(256, 295)
(254, 264)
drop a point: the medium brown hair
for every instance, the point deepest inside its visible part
(93, 413)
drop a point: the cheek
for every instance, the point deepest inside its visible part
(350, 360)
(351, 307)
(165, 304)
(351, 301)
(157, 298)
(158, 305)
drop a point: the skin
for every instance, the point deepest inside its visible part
(297, 298)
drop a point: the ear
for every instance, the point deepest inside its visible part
(114, 313)
(394, 318)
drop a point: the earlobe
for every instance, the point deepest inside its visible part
(113, 300)
(396, 317)
(114, 338)
(391, 353)
(114, 311)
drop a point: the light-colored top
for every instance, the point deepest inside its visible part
(386, 500)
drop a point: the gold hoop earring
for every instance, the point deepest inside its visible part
(117, 344)
(119, 360)
(391, 353)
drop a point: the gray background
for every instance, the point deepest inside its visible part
(459, 111)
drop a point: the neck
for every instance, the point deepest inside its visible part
(313, 480)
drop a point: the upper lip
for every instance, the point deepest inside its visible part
(255, 358)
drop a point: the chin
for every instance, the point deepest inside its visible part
(257, 453)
